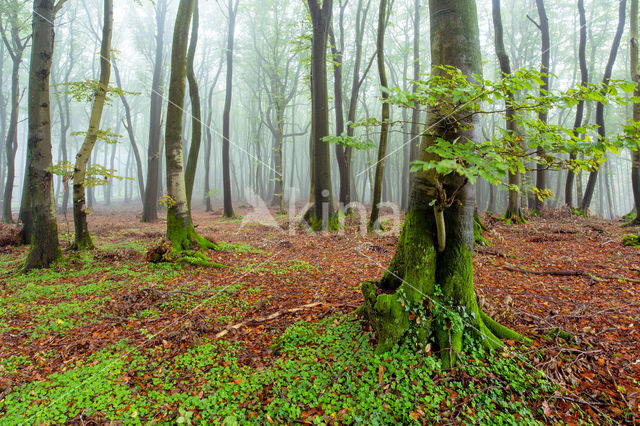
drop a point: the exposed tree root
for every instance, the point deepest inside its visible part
(165, 251)
(478, 228)
(513, 218)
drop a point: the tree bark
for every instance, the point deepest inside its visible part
(226, 177)
(45, 249)
(196, 112)
(15, 45)
(150, 205)
(593, 176)
(131, 133)
(421, 277)
(321, 214)
(635, 154)
(180, 229)
(584, 79)
(541, 173)
(82, 237)
(514, 213)
(384, 129)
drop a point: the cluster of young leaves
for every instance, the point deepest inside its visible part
(85, 91)
(454, 100)
(96, 175)
(106, 136)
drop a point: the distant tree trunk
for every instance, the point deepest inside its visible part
(383, 12)
(361, 20)
(45, 247)
(420, 269)
(513, 207)
(593, 176)
(15, 46)
(415, 117)
(180, 229)
(196, 113)
(541, 173)
(226, 177)
(337, 51)
(322, 213)
(584, 73)
(82, 237)
(635, 154)
(131, 132)
(207, 146)
(152, 188)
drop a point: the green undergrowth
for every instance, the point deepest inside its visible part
(72, 292)
(323, 373)
(631, 240)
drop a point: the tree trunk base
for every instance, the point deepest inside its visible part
(513, 217)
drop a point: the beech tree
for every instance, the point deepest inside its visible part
(383, 13)
(45, 247)
(321, 213)
(82, 236)
(232, 10)
(432, 268)
(584, 79)
(513, 213)
(593, 176)
(15, 40)
(635, 76)
(180, 230)
(150, 205)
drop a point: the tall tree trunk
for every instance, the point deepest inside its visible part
(514, 213)
(131, 132)
(226, 177)
(12, 140)
(196, 113)
(419, 268)
(180, 229)
(45, 249)
(584, 79)
(541, 172)
(152, 188)
(322, 213)
(337, 51)
(384, 129)
(82, 237)
(635, 154)
(415, 115)
(593, 176)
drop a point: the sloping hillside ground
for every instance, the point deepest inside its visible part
(272, 338)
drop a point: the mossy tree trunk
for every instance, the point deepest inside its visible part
(45, 247)
(420, 277)
(82, 236)
(180, 229)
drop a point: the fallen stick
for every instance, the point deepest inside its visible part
(267, 318)
(571, 274)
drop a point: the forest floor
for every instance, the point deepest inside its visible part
(106, 335)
